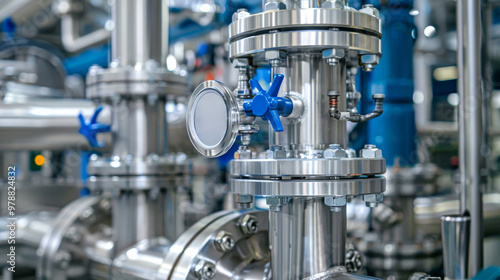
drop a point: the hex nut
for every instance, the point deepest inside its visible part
(273, 6)
(224, 241)
(240, 14)
(371, 151)
(336, 152)
(334, 53)
(369, 10)
(275, 54)
(249, 225)
(276, 152)
(204, 270)
(333, 4)
(369, 59)
(373, 197)
(335, 201)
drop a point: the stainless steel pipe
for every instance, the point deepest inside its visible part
(471, 123)
(46, 124)
(455, 233)
(310, 76)
(140, 33)
(306, 238)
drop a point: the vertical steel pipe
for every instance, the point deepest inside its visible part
(140, 33)
(455, 233)
(306, 238)
(471, 123)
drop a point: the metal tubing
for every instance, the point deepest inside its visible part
(306, 238)
(455, 233)
(471, 123)
(72, 42)
(140, 33)
(54, 122)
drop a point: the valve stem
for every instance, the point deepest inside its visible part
(334, 113)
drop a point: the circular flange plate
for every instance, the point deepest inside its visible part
(291, 19)
(307, 167)
(213, 119)
(309, 188)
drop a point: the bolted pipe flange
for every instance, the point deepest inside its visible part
(249, 225)
(224, 241)
(204, 270)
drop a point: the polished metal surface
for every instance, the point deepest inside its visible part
(53, 121)
(195, 255)
(306, 238)
(470, 115)
(107, 83)
(142, 214)
(309, 76)
(140, 33)
(309, 188)
(312, 40)
(213, 119)
(152, 165)
(455, 234)
(141, 261)
(291, 19)
(307, 167)
(69, 247)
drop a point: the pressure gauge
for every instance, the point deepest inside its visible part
(212, 119)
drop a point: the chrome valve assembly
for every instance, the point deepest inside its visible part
(308, 174)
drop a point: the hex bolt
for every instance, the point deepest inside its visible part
(87, 213)
(336, 203)
(372, 200)
(276, 152)
(224, 241)
(204, 270)
(249, 224)
(276, 203)
(240, 14)
(369, 10)
(334, 151)
(371, 151)
(244, 200)
(73, 235)
(62, 259)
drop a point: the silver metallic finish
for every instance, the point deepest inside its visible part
(195, 249)
(307, 167)
(455, 234)
(309, 76)
(312, 40)
(213, 119)
(141, 261)
(71, 40)
(140, 33)
(308, 188)
(59, 258)
(306, 238)
(152, 165)
(471, 124)
(54, 122)
(310, 18)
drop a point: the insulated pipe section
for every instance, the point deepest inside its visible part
(455, 233)
(140, 33)
(46, 125)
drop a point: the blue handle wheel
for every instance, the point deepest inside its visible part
(267, 104)
(90, 130)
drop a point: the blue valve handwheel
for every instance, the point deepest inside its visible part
(267, 104)
(92, 128)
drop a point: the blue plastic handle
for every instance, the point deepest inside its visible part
(267, 104)
(90, 129)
